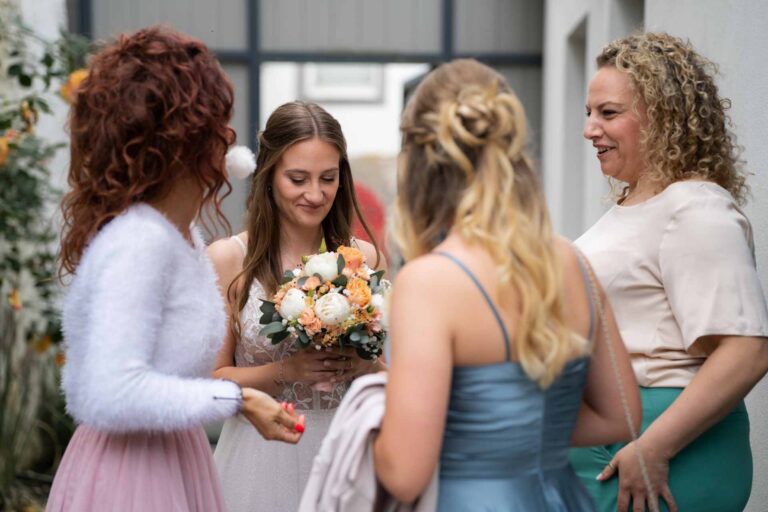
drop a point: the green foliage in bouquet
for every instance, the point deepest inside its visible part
(361, 329)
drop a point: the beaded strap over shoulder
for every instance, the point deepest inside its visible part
(240, 243)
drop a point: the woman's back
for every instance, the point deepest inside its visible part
(488, 374)
(506, 439)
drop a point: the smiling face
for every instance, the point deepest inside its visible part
(305, 182)
(614, 127)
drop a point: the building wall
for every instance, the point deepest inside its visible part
(732, 38)
(46, 18)
(574, 33)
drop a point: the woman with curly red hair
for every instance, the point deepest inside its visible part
(676, 257)
(143, 319)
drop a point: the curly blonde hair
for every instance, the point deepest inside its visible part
(687, 134)
(464, 133)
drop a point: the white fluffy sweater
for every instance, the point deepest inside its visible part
(143, 321)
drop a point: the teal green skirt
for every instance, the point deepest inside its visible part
(712, 474)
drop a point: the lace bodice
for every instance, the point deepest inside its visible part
(255, 350)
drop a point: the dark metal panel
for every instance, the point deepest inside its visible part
(375, 26)
(499, 26)
(220, 25)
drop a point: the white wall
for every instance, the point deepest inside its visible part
(370, 128)
(729, 36)
(46, 18)
(733, 38)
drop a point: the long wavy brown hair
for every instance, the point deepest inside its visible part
(155, 107)
(687, 134)
(290, 123)
(466, 169)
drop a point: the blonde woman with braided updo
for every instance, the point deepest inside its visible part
(498, 361)
(676, 257)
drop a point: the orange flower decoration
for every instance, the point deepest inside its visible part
(358, 292)
(60, 359)
(310, 322)
(312, 283)
(353, 258)
(4, 150)
(42, 345)
(14, 299)
(69, 87)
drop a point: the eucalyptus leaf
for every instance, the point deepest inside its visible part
(340, 263)
(279, 336)
(364, 353)
(303, 338)
(341, 280)
(302, 280)
(267, 307)
(287, 277)
(272, 328)
(265, 318)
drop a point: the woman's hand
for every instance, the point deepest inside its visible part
(273, 420)
(329, 365)
(312, 366)
(348, 365)
(631, 485)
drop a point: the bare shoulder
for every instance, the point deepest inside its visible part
(369, 251)
(429, 273)
(226, 256)
(567, 253)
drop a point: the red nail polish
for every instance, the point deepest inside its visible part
(299, 428)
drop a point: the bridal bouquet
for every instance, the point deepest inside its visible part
(333, 299)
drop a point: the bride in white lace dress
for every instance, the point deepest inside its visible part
(301, 199)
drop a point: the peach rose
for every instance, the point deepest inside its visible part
(358, 292)
(310, 321)
(69, 87)
(353, 258)
(312, 283)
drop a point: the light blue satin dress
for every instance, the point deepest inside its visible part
(506, 441)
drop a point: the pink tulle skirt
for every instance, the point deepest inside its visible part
(141, 472)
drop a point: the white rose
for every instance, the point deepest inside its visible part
(377, 300)
(332, 308)
(325, 265)
(293, 304)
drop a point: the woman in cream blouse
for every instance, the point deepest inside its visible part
(676, 258)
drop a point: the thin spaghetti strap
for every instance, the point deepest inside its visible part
(487, 299)
(240, 243)
(580, 258)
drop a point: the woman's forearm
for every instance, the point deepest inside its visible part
(725, 378)
(267, 377)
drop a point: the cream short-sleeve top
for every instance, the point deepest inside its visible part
(677, 267)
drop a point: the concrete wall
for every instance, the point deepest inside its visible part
(729, 36)
(733, 38)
